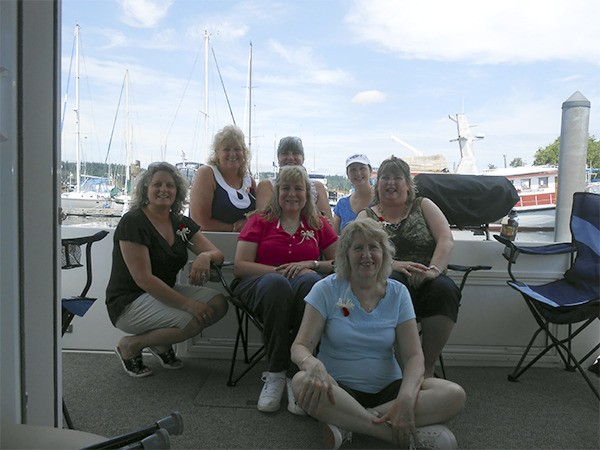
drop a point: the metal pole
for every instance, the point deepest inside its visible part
(574, 136)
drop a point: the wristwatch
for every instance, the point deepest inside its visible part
(317, 265)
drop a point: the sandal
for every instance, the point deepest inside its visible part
(167, 359)
(134, 367)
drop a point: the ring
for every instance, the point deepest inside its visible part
(204, 316)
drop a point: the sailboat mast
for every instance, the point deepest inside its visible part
(250, 104)
(76, 109)
(127, 136)
(206, 140)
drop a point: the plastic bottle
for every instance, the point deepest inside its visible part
(510, 225)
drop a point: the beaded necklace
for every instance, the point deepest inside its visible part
(394, 225)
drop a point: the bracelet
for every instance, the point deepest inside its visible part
(302, 362)
(317, 265)
(438, 271)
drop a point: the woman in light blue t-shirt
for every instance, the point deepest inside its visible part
(365, 326)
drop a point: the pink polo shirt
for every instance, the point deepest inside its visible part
(276, 246)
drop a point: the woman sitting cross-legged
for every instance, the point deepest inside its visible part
(368, 376)
(151, 245)
(276, 265)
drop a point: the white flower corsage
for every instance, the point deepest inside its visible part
(183, 233)
(307, 234)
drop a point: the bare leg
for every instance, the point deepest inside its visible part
(436, 331)
(438, 402)
(163, 338)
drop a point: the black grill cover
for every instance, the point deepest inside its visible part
(468, 200)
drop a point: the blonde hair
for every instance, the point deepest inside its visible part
(288, 175)
(230, 134)
(372, 230)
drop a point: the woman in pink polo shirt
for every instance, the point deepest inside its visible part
(277, 261)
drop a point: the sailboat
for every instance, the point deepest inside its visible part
(93, 192)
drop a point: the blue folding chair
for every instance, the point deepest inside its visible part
(573, 299)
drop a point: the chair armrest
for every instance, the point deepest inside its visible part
(216, 275)
(548, 249)
(467, 270)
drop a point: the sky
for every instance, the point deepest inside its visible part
(344, 75)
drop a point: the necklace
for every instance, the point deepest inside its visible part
(394, 225)
(291, 230)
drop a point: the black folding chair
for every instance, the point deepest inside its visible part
(244, 317)
(469, 202)
(155, 436)
(573, 299)
(78, 304)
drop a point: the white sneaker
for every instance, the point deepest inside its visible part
(436, 437)
(335, 437)
(293, 405)
(272, 391)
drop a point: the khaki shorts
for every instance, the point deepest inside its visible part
(146, 313)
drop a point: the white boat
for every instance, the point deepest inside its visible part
(536, 185)
(94, 192)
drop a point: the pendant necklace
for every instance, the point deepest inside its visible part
(394, 225)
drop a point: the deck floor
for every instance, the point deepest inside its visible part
(548, 408)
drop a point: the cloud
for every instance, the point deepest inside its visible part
(479, 31)
(144, 13)
(307, 67)
(368, 97)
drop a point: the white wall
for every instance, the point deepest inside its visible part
(493, 328)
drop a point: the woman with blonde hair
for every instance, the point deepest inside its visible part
(223, 191)
(277, 261)
(368, 374)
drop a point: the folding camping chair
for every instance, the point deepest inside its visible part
(155, 436)
(571, 300)
(78, 304)
(469, 202)
(244, 317)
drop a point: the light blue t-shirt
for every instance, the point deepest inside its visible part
(358, 349)
(344, 211)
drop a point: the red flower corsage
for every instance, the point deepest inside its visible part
(346, 306)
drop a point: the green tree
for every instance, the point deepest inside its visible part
(517, 162)
(547, 155)
(550, 154)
